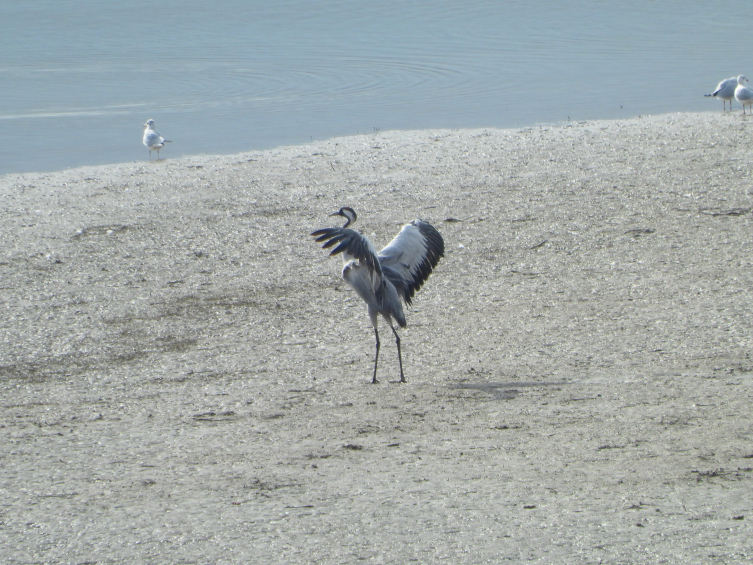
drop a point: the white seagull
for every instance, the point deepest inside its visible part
(152, 139)
(383, 279)
(726, 91)
(743, 94)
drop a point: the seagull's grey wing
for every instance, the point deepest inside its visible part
(352, 244)
(152, 138)
(409, 259)
(743, 93)
(726, 88)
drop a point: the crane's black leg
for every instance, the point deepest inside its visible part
(376, 357)
(399, 356)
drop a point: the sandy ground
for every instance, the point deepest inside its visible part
(185, 377)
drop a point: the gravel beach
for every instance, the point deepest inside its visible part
(185, 378)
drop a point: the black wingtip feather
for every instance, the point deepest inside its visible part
(335, 239)
(434, 252)
(350, 242)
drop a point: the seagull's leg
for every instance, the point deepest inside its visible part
(399, 356)
(376, 357)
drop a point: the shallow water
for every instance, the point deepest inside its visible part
(80, 78)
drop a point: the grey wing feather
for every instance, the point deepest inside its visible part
(410, 258)
(351, 243)
(152, 138)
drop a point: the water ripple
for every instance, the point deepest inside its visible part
(245, 74)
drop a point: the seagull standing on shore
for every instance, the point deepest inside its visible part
(743, 94)
(726, 91)
(383, 279)
(153, 140)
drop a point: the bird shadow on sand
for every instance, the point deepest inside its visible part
(504, 391)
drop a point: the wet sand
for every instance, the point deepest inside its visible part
(186, 379)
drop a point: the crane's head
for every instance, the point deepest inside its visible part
(347, 213)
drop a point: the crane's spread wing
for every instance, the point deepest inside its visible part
(353, 245)
(409, 259)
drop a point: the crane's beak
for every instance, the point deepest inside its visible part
(335, 214)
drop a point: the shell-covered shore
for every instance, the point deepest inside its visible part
(185, 378)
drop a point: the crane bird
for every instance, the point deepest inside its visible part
(743, 94)
(726, 91)
(152, 139)
(382, 279)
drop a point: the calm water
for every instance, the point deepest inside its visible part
(79, 78)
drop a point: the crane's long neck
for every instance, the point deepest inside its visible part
(350, 216)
